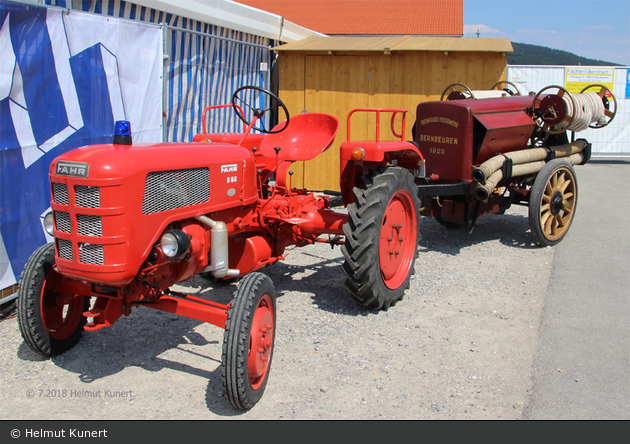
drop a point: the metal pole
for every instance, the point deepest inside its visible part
(8, 298)
(174, 28)
(165, 70)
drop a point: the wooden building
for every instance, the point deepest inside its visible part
(334, 75)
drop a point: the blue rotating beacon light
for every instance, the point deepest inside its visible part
(122, 133)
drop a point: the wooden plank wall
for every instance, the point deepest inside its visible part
(337, 83)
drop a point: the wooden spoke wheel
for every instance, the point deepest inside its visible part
(553, 202)
(510, 91)
(603, 92)
(457, 91)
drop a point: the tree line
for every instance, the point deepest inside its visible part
(526, 54)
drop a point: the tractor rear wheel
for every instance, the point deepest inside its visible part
(381, 238)
(248, 341)
(552, 202)
(50, 322)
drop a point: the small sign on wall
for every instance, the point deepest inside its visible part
(579, 77)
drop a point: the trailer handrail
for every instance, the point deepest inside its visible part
(378, 112)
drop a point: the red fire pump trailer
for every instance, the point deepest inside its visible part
(487, 150)
(131, 220)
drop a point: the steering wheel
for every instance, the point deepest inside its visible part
(457, 95)
(602, 94)
(506, 89)
(274, 103)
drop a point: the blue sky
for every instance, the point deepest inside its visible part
(597, 29)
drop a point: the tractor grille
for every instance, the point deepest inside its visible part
(60, 193)
(89, 225)
(91, 254)
(87, 197)
(167, 190)
(62, 221)
(64, 249)
(86, 225)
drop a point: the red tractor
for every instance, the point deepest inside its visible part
(130, 221)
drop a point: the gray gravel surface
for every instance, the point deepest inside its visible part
(460, 345)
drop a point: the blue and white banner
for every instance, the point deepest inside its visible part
(65, 78)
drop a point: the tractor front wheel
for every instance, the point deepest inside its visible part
(248, 341)
(381, 238)
(50, 321)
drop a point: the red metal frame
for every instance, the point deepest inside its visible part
(208, 108)
(378, 112)
(191, 307)
(376, 152)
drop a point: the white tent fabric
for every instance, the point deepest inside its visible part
(234, 16)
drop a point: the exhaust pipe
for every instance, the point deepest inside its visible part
(219, 257)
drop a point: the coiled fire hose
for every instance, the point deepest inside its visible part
(589, 108)
(525, 162)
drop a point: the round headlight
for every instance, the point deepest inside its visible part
(175, 244)
(169, 245)
(49, 223)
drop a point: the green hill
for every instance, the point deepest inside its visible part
(525, 54)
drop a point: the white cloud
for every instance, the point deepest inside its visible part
(471, 30)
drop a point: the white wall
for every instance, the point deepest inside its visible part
(613, 139)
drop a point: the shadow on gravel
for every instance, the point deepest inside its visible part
(323, 278)
(26, 354)
(511, 230)
(153, 340)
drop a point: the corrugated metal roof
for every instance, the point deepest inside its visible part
(399, 43)
(370, 17)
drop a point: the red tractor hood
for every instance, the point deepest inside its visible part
(132, 193)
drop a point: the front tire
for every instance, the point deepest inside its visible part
(381, 238)
(553, 202)
(50, 322)
(248, 341)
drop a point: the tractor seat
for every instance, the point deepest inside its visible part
(306, 137)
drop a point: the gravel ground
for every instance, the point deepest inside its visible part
(459, 346)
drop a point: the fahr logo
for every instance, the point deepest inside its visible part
(73, 169)
(229, 168)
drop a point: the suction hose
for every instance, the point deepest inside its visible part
(486, 169)
(572, 152)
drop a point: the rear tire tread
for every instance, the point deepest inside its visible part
(361, 265)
